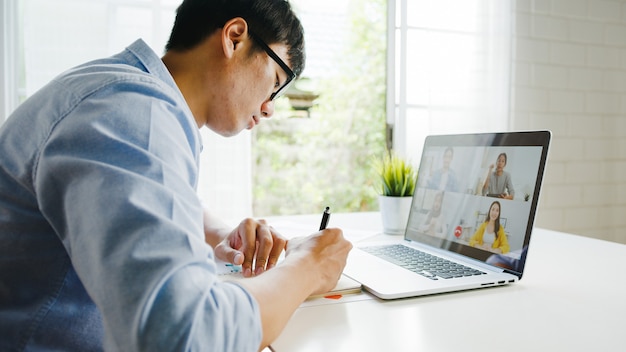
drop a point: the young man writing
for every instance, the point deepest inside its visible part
(104, 243)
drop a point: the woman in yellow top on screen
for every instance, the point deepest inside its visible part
(490, 235)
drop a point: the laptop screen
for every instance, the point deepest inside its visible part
(477, 195)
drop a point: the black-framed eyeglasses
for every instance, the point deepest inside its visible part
(291, 76)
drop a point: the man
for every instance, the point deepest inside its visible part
(445, 178)
(104, 244)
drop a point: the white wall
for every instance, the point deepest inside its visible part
(570, 77)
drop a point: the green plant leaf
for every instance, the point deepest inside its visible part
(398, 177)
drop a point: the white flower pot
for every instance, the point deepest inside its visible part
(395, 213)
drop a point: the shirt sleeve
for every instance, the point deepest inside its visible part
(509, 184)
(116, 180)
(477, 237)
(503, 243)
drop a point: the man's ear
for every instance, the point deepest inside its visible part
(234, 32)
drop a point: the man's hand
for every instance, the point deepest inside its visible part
(326, 252)
(252, 243)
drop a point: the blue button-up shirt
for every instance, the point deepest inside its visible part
(101, 233)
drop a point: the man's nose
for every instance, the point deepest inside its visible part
(267, 109)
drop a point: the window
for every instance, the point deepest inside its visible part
(8, 43)
(418, 66)
(305, 162)
(449, 68)
(42, 38)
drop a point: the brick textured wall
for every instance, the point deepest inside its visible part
(570, 77)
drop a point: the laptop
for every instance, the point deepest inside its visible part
(470, 222)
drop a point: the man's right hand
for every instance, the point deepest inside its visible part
(312, 265)
(324, 252)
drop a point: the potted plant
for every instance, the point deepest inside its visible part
(397, 183)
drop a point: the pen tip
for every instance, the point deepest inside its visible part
(327, 209)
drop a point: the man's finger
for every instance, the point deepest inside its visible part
(264, 238)
(248, 247)
(280, 244)
(228, 254)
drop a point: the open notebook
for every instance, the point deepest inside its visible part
(345, 285)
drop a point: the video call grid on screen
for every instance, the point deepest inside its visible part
(465, 202)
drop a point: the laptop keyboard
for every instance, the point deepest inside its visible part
(425, 264)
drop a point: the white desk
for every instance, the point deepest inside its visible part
(572, 298)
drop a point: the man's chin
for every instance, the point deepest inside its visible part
(228, 132)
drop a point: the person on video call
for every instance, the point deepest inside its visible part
(435, 222)
(104, 244)
(445, 178)
(490, 234)
(498, 183)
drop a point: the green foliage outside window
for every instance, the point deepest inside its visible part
(304, 164)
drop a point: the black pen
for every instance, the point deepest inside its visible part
(325, 217)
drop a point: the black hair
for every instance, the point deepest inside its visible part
(504, 155)
(273, 21)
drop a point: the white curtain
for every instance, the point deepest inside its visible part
(47, 37)
(8, 42)
(449, 68)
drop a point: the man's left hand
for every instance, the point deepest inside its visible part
(253, 242)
